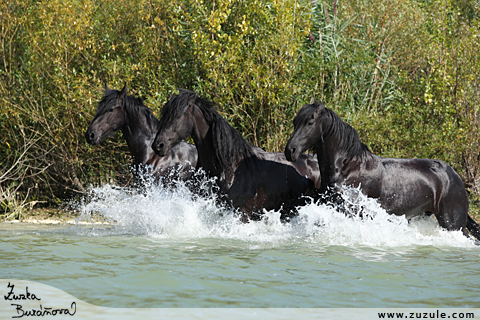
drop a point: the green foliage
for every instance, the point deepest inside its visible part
(246, 53)
(404, 73)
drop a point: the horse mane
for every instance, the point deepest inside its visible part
(108, 97)
(334, 126)
(349, 139)
(133, 106)
(175, 106)
(136, 109)
(228, 145)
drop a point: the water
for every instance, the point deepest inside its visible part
(170, 248)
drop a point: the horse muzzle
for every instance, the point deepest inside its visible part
(291, 153)
(91, 137)
(160, 147)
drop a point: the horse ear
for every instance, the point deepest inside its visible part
(191, 100)
(124, 91)
(320, 109)
(106, 87)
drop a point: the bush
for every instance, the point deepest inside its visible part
(404, 73)
(246, 54)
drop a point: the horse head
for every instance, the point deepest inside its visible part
(176, 124)
(307, 130)
(110, 116)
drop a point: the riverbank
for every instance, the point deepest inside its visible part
(55, 216)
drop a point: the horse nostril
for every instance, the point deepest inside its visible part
(290, 153)
(89, 136)
(158, 148)
(293, 151)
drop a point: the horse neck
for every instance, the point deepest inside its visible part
(327, 157)
(339, 144)
(329, 150)
(208, 151)
(202, 137)
(139, 132)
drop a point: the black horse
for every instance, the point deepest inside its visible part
(119, 111)
(407, 187)
(250, 178)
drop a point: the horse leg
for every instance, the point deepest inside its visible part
(332, 197)
(452, 214)
(248, 200)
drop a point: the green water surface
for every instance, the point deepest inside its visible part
(120, 270)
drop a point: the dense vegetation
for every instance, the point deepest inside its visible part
(404, 73)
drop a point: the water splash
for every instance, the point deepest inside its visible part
(159, 210)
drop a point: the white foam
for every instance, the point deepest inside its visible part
(178, 213)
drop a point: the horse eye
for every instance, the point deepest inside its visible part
(110, 110)
(310, 123)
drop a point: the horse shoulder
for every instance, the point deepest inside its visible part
(366, 173)
(350, 169)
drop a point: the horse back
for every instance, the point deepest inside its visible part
(415, 186)
(266, 184)
(306, 165)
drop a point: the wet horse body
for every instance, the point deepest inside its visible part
(268, 181)
(118, 111)
(407, 187)
(250, 178)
